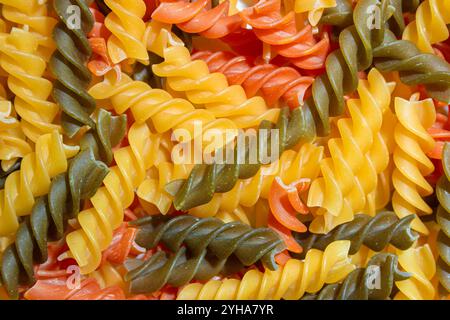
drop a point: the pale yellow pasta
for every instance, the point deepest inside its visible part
(411, 162)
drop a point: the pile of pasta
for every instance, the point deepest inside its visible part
(94, 96)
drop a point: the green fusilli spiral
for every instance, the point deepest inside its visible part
(207, 179)
(68, 64)
(374, 232)
(198, 249)
(48, 219)
(362, 283)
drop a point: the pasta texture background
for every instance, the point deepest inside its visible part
(224, 149)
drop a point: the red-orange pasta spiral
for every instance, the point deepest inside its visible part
(272, 82)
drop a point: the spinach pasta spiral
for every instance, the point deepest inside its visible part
(374, 232)
(49, 215)
(211, 247)
(207, 179)
(359, 48)
(358, 286)
(443, 219)
(68, 64)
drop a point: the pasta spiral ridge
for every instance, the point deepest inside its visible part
(356, 284)
(430, 25)
(443, 219)
(69, 66)
(205, 180)
(314, 8)
(128, 30)
(48, 220)
(271, 82)
(376, 233)
(13, 144)
(50, 213)
(117, 193)
(25, 68)
(203, 17)
(420, 264)
(34, 14)
(165, 112)
(290, 281)
(211, 247)
(33, 179)
(211, 89)
(284, 37)
(410, 159)
(359, 47)
(357, 156)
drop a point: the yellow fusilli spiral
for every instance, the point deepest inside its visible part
(292, 166)
(158, 37)
(420, 263)
(165, 112)
(211, 90)
(289, 282)
(26, 68)
(34, 14)
(314, 8)
(128, 30)
(33, 179)
(349, 176)
(108, 276)
(411, 162)
(98, 223)
(430, 26)
(13, 144)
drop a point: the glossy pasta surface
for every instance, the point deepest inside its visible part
(224, 150)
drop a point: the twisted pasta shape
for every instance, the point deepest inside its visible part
(50, 213)
(34, 14)
(128, 30)
(443, 219)
(212, 247)
(33, 179)
(211, 89)
(374, 282)
(430, 26)
(13, 144)
(314, 8)
(165, 112)
(25, 68)
(360, 45)
(375, 233)
(204, 194)
(271, 82)
(358, 155)
(411, 162)
(419, 262)
(284, 37)
(204, 17)
(68, 65)
(97, 223)
(48, 220)
(290, 281)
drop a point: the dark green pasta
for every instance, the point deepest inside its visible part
(198, 249)
(68, 65)
(374, 282)
(48, 219)
(443, 219)
(101, 5)
(207, 179)
(374, 232)
(361, 44)
(5, 174)
(145, 73)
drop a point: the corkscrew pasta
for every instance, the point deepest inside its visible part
(224, 149)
